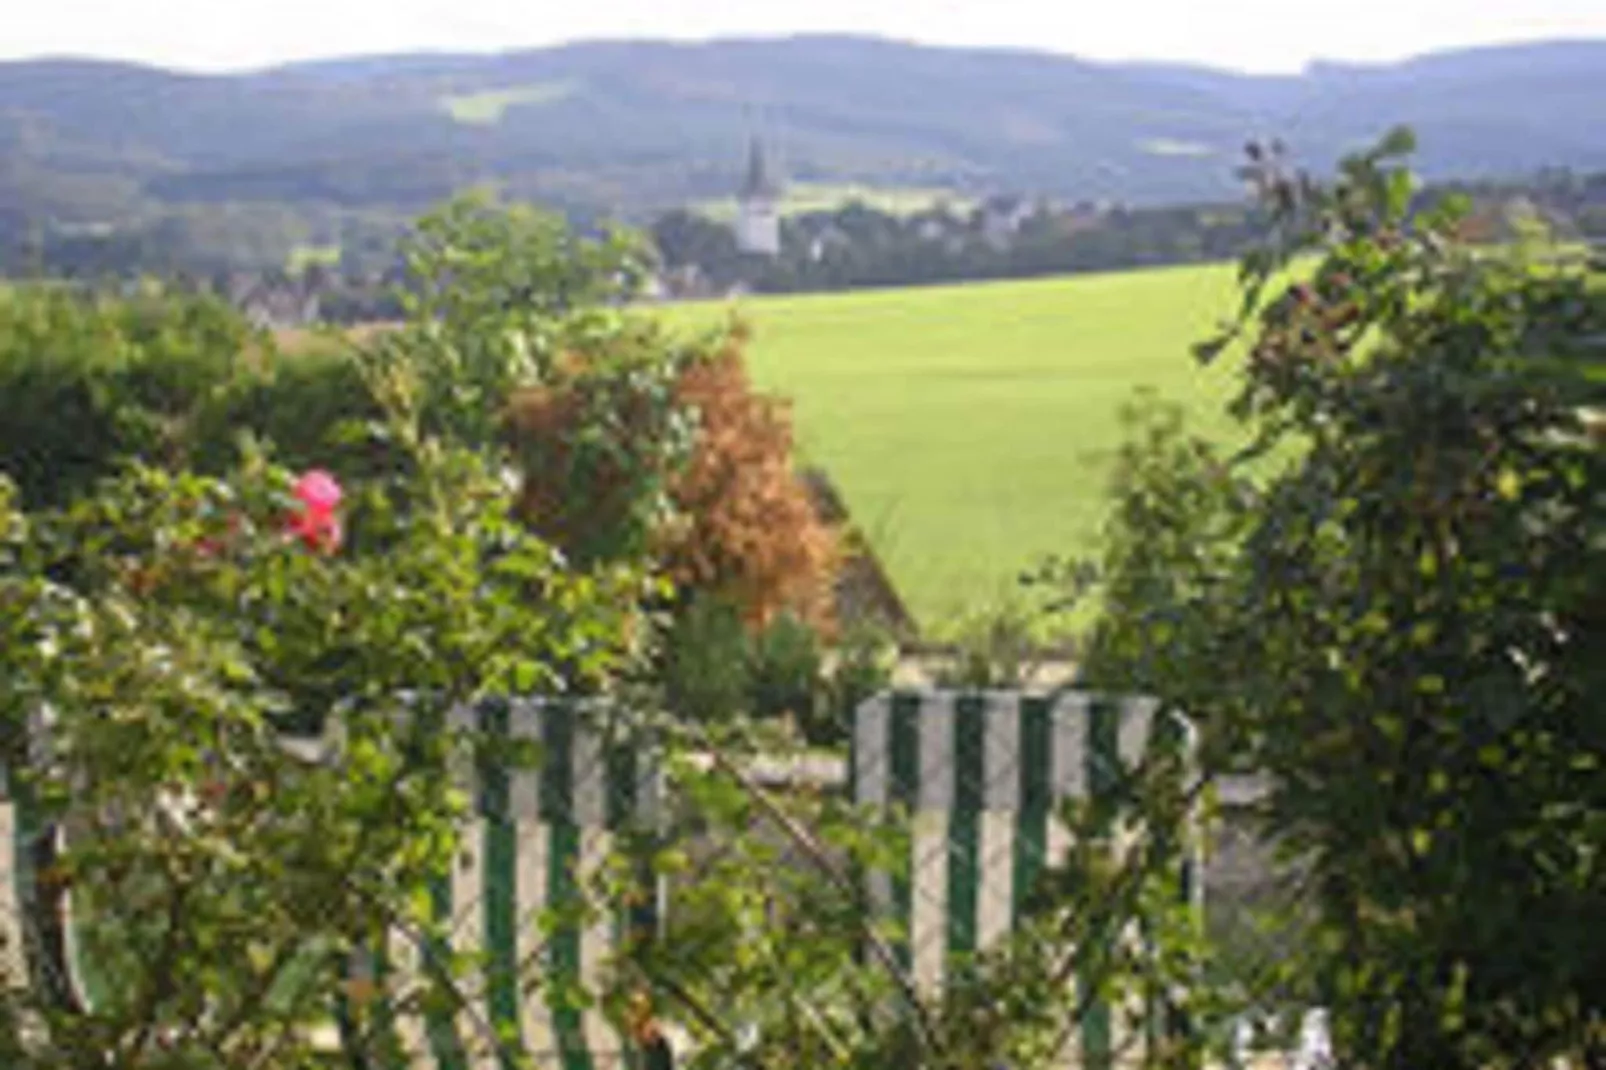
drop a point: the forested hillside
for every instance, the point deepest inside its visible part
(638, 126)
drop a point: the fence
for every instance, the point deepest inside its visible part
(981, 775)
(538, 836)
(13, 966)
(984, 774)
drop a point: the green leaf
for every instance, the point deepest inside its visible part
(1508, 484)
(1399, 141)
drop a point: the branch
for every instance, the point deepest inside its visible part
(706, 1017)
(801, 838)
(1127, 884)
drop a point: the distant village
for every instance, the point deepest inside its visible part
(764, 248)
(700, 265)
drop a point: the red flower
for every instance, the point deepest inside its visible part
(316, 523)
(319, 491)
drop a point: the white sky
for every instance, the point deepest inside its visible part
(1261, 35)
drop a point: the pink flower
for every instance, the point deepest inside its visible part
(316, 524)
(318, 491)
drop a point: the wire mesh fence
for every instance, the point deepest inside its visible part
(976, 880)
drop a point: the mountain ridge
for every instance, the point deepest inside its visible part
(628, 126)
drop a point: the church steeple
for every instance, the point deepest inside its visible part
(758, 206)
(759, 183)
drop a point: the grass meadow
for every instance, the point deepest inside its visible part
(971, 427)
(487, 108)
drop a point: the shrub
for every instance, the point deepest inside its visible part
(598, 441)
(785, 671)
(90, 381)
(154, 629)
(1399, 625)
(752, 533)
(299, 402)
(704, 665)
(865, 660)
(994, 648)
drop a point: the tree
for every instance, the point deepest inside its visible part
(88, 382)
(644, 445)
(684, 237)
(493, 294)
(1390, 603)
(750, 533)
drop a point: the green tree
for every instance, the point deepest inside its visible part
(1391, 604)
(88, 382)
(494, 294)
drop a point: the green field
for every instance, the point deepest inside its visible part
(303, 257)
(486, 109)
(971, 427)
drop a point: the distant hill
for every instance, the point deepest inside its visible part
(632, 126)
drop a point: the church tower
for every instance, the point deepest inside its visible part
(758, 207)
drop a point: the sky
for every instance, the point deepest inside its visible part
(1254, 35)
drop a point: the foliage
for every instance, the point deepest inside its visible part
(598, 445)
(1395, 620)
(493, 293)
(160, 632)
(856, 246)
(1179, 510)
(863, 661)
(703, 667)
(786, 671)
(200, 848)
(87, 382)
(93, 379)
(751, 532)
(714, 669)
(304, 403)
(776, 959)
(997, 647)
(639, 444)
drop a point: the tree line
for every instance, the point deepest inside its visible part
(286, 266)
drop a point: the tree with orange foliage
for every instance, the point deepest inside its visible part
(646, 443)
(751, 533)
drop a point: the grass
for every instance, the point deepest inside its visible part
(1171, 147)
(823, 197)
(971, 428)
(487, 108)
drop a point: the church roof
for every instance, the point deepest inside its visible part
(759, 182)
